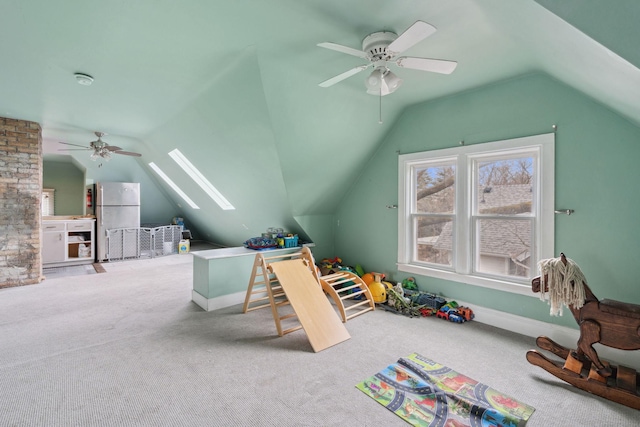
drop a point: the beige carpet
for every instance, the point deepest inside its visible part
(128, 347)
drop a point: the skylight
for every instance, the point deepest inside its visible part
(173, 185)
(199, 179)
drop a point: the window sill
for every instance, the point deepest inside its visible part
(500, 285)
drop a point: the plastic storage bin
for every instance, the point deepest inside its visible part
(291, 242)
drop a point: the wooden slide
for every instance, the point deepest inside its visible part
(295, 282)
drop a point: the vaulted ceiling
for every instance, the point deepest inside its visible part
(234, 84)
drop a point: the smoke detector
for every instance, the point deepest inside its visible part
(83, 79)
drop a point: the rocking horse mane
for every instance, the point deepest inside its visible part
(565, 282)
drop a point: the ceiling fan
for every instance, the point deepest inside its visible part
(100, 148)
(381, 49)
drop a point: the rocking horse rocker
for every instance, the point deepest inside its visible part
(610, 323)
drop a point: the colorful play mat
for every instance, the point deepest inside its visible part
(425, 393)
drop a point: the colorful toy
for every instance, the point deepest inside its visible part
(367, 278)
(466, 313)
(426, 311)
(330, 266)
(443, 313)
(452, 304)
(410, 283)
(377, 289)
(454, 316)
(398, 304)
(429, 300)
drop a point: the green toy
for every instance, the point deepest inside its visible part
(410, 283)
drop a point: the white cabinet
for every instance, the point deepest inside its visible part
(68, 242)
(53, 242)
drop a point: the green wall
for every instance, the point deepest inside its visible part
(68, 181)
(596, 173)
(69, 176)
(226, 133)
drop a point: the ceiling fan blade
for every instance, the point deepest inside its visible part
(417, 32)
(425, 64)
(344, 49)
(346, 74)
(128, 153)
(75, 145)
(112, 148)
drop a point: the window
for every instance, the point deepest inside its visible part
(480, 214)
(200, 179)
(173, 185)
(47, 204)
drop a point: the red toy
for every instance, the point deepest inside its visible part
(443, 313)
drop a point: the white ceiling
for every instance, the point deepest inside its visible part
(152, 60)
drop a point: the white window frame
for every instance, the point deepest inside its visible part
(47, 205)
(542, 146)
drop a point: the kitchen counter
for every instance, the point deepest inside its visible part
(67, 217)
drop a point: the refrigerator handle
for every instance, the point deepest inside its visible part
(101, 205)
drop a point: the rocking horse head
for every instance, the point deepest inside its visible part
(563, 282)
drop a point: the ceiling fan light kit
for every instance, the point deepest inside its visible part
(382, 49)
(382, 82)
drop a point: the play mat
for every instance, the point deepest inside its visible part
(425, 393)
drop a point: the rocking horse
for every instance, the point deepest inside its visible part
(610, 323)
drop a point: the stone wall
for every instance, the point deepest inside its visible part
(20, 189)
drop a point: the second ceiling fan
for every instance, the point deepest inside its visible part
(382, 49)
(100, 149)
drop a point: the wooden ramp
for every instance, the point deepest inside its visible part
(295, 282)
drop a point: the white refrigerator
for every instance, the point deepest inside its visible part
(117, 207)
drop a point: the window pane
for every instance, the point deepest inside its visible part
(503, 247)
(47, 202)
(434, 192)
(434, 240)
(504, 186)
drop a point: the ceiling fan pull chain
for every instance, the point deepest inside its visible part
(380, 118)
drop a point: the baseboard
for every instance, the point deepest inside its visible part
(563, 335)
(210, 304)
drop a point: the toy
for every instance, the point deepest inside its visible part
(430, 300)
(443, 313)
(452, 304)
(610, 323)
(349, 293)
(297, 287)
(330, 266)
(378, 290)
(398, 304)
(410, 283)
(454, 316)
(466, 313)
(426, 311)
(367, 278)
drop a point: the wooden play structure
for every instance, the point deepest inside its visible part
(289, 284)
(350, 294)
(611, 323)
